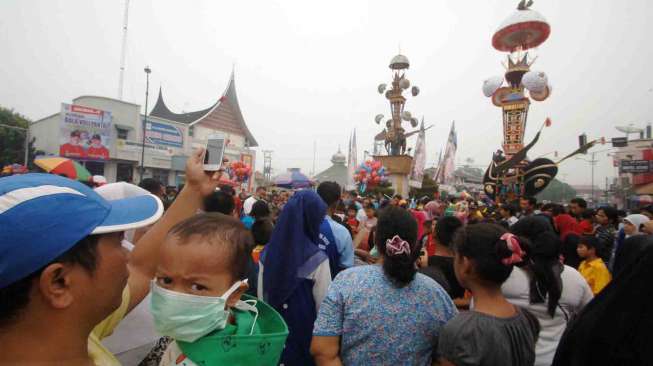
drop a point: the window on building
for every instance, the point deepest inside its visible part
(191, 131)
(124, 172)
(122, 133)
(95, 167)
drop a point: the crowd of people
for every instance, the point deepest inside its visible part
(204, 275)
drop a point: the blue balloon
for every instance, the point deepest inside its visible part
(381, 171)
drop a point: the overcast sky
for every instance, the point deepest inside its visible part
(307, 71)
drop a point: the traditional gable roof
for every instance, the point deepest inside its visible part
(224, 114)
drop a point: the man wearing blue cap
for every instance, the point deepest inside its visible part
(64, 278)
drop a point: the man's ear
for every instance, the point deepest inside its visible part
(54, 285)
(234, 297)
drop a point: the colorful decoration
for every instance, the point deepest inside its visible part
(64, 166)
(370, 174)
(14, 169)
(239, 171)
(511, 174)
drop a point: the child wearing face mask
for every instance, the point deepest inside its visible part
(196, 298)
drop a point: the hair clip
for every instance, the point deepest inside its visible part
(513, 244)
(397, 246)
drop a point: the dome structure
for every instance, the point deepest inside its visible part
(523, 28)
(399, 62)
(338, 158)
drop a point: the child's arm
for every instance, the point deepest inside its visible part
(144, 259)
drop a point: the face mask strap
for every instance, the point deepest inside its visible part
(233, 289)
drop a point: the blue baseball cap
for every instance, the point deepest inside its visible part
(44, 215)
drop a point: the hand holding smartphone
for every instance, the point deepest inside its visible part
(214, 154)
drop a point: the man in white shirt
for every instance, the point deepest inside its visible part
(259, 195)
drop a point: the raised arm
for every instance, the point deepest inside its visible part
(144, 258)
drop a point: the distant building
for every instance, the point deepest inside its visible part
(336, 172)
(169, 137)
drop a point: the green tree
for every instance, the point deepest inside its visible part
(557, 191)
(12, 141)
(429, 187)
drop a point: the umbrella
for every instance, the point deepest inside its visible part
(64, 166)
(292, 179)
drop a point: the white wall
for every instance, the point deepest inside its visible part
(46, 132)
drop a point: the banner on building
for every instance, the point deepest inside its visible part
(158, 133)
(419, 160)
(85, 133)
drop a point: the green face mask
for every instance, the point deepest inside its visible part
(186, 317)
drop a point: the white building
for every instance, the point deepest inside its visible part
(170, 137)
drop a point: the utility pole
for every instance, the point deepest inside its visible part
(267, 165)
(593, 163)
(147, 94)
(123, 52)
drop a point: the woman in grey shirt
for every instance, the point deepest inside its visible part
(495, 332)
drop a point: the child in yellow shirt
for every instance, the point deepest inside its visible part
(592, 267)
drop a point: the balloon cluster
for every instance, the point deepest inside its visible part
(240, 171)
(370, 174)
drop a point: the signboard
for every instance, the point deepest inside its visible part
(636, 166)
(619, 141)
(158, 133)
(85, 133)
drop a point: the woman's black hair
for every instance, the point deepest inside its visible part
(262, 231)
(587, 214)
(260, 210)
(445, 229)
(219, 201)
(399, 268)
(612, 214)
(510, 208)
(483, 245)
(543, 258)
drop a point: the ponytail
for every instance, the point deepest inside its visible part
(396, 240)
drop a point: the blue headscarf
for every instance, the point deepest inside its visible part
(293, 242)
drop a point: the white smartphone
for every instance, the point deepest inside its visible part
(215, 146)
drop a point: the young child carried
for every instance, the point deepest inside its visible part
(196, 297)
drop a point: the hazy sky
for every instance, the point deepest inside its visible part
(307, 71)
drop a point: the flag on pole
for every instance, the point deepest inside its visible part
(419, 159)
(448, 163)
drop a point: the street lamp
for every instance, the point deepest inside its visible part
(593, 162)
(147, 93)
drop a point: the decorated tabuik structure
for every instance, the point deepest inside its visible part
(510, 174)
(394, 135)
(396, 162)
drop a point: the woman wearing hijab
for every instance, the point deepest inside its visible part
(632, 227)
(294, 273)
(615, 328)
(551, 291)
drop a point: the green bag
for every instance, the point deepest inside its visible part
(264, 347)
